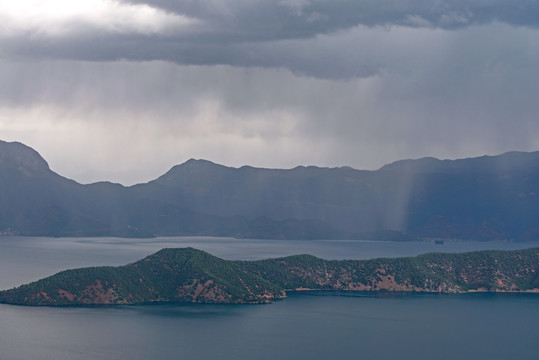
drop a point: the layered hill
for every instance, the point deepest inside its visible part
(485, 198)
(193, 276)
(35, 201)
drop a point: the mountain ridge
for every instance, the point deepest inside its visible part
(483, 198)
(7, 150)
(496, 163)
(22, 156)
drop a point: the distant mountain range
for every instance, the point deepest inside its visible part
(190, 275)
(484, 198)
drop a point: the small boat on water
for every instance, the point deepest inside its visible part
(439, 242)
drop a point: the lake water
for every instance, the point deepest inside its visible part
(303, 326)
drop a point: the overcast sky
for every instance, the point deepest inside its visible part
(123, 90)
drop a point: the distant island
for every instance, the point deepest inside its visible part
(194, 276)
(481, 199)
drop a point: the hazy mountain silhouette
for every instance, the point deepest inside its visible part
(484, 198)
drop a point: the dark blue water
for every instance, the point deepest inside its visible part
(305, 326)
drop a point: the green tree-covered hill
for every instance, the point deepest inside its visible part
(190, 275)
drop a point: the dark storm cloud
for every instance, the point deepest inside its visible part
(267, 83)
(269, 33)
(440, 93)
(285, 19)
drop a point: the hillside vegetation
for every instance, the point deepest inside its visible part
(190, 275)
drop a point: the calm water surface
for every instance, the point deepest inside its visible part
(307, 326)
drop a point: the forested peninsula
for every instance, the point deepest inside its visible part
(194, 276)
